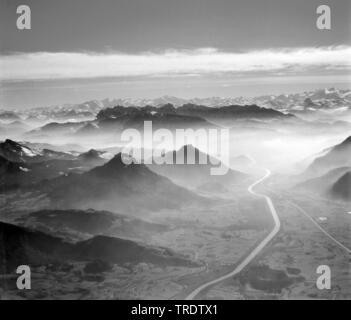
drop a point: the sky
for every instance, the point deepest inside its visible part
(84, 49)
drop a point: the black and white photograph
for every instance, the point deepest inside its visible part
(186, 150)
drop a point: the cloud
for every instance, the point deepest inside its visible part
(69, 65)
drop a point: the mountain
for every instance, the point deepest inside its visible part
(116, 186)
(90, 128)
(116, 119)
(330, 94)
(241, 162)
(93, 157)
(232, 111)
(118, 114)
(30, 153)
(337, 156)
(66, 112)
(68, 148)
(21, 245)
(323, 183)
(325, 98)
(303, 103)
(9, 116)
(318, 104)
(80, 224)
(14, 128)
(29, 167)
(167, 116)
(15, 175)
(121, 251)
(26, 152)
(342, 188)
(49, 154)
(194, 174)
(8, 167)
(17, 152)
(317, 99)
(55, 128)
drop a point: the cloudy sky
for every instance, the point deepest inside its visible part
(83, 49)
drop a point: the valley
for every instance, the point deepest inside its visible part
(94, 227)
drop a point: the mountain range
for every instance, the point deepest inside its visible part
(115, 119)
(88, 180)
(308, 101)
(116, 186)
(110, 116)
(83, 224)
(21, 245)
(22, 165)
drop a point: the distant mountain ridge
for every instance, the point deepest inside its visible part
(327, 99)
(98, 116)
(115, 119)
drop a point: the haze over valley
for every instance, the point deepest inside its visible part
(78, 214)
(175, 150)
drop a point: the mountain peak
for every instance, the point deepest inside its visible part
(17, 152)
(90, 155)
(188, 147)
(188, 150)
(12, 143)
(116, 164)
